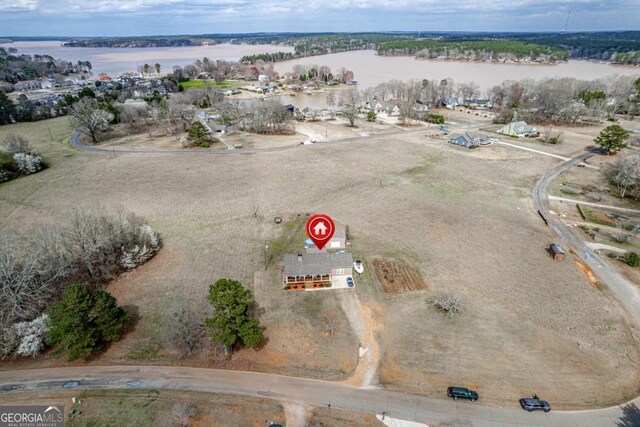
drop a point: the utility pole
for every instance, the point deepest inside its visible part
(266, 249)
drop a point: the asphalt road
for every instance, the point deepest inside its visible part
(74, 140)
(625, 291)
(321, 393)
(305, 391)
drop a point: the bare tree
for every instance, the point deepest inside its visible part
(28, 280)
(183, 414)
(331, 321)
(450, 304)
(349, 105)
(269, 116)
(624, 173)
(625, 230)
(17, 144)
(184, 327)
(86, 117)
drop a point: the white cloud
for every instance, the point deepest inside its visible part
(18, 5)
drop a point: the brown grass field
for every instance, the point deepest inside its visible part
(462, 219)
(131, 408)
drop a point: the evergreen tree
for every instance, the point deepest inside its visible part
(82, 322)
(231, 321)
(199, 134)
(612, 138)
(7, 109)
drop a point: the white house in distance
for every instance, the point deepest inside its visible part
(519, 129)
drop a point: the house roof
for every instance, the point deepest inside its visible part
(517, 127)
(340, 232)
(556, 249)
(469, 139)
(315, 263)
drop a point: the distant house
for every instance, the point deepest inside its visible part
(519, 129)
(393, 110)
(450, 102)
(28, 85)
(478, 102)
(317, 270)
(470, 140)
(557, 252)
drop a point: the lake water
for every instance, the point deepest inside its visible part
(369, 69)
(115, 61)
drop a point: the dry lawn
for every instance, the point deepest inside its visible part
(123, 408)
(463, 219)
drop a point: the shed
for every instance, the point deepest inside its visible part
(557, 252)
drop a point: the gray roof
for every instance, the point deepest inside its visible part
(469, 139)
(315, 263)
(340, 232)
(556, 249)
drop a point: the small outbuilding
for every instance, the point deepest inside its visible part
(556, 252)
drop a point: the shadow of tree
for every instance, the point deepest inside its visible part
(630, 416)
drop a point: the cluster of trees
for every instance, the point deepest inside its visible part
(218, 70)
(482, 50)
(147, 68)
(232, 322)
(14, 68)
(566, 101)
(91, 246)
(17, 157)
(322, 73)
(160, 41)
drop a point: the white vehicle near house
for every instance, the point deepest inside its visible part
(358, 266)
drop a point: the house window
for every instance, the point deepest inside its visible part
(339, 270)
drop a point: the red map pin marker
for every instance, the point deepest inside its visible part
(320, 229)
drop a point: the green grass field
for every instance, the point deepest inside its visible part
(200, 83)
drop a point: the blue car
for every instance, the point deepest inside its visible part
(350, 282)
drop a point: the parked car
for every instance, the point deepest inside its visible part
(535, 404)
(350, 282)
(462, 393)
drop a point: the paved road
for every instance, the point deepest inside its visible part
(74, 140)
(300, 390)
(626, 291)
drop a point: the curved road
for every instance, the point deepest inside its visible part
(321, 393)
(624, 290)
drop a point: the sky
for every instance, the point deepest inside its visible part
(158, 17)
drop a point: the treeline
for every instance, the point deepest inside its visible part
(139, 42)
(475, 50)
(268, 57)
(15, 68)
(615, 46)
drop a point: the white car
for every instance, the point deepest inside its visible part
(358, 266)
